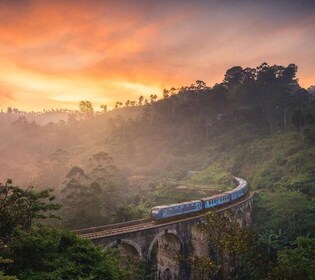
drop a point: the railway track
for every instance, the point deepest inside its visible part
(153, 224)
(115, 231)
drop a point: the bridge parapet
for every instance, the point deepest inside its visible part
(111, 226)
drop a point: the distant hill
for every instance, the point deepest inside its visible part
(44, 118)
(39, 118)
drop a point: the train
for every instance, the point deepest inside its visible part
(189, 207)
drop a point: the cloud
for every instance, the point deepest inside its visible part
(5, 95)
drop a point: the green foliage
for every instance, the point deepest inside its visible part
(271, 241)
(289, 211)
(296, 263)
(214, 177)
(45, 253)
(91, 198)
(309, 133)
(18, 208)
(202, 268)
(3, 277)
(232, 250)
(132, 212)
(4, 261)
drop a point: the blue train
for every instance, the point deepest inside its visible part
(172, 210)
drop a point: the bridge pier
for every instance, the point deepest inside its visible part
(199, 242)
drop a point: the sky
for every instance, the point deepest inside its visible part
(53, 54)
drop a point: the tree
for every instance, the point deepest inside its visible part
(83, 201)
(233, 76)
(46, 253)
(86, 108)
(309, 133)
(289, 73)
(102, 168)
(297, 219)
(141, 98)
(104, 108)
(271, 240)
(153, 98)
(60, 156)
(296, 263)
(118, 104)
(298, 119)
(18, 208)
(166, 93)
(231, 249)
(3, 262)
(200, 85)
(202, 268)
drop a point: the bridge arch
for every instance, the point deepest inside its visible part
(160, 234)
(169, 246)
(167, 275)
(228, 215)
(248, 214)
(133, 245)
(239, 217)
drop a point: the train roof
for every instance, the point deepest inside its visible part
(175, 204)
(232, 191)
(240, 181)
(213, 196)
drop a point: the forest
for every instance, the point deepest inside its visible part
(63, 170)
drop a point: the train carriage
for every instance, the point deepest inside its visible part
(215, 200)
(168, 211)
(236, 193)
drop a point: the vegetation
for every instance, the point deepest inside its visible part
(113, 166)
(40, 252)
(18, 208)
(232, 252)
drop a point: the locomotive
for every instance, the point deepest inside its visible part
(188, 207)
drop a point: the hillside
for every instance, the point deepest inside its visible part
(257, 123)
(114, 166)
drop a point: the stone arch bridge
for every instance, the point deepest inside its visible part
(140, 238)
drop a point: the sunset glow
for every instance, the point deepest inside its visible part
(55, 53)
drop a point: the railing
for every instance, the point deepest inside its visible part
(111, 226)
